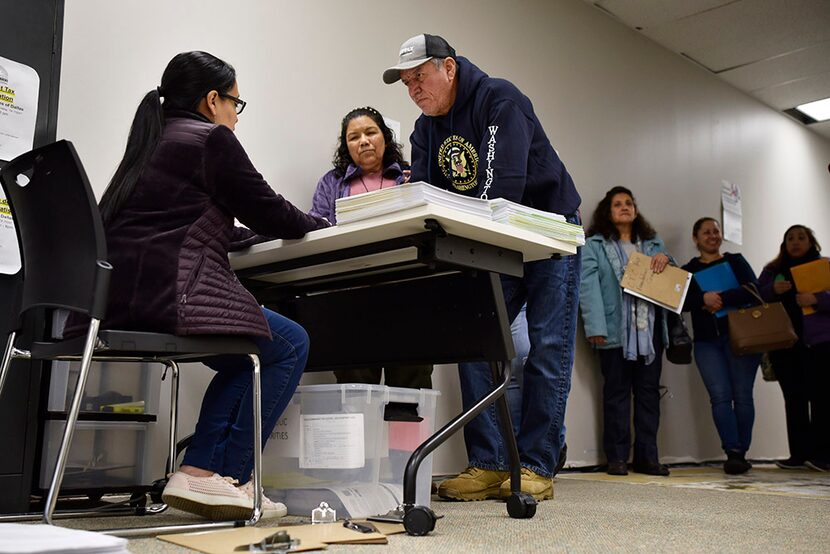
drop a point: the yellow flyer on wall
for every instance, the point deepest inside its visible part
(19, 87)
(9, 249)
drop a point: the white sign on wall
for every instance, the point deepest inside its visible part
(731, 202)
(19, 87)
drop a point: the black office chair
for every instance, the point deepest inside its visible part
(63, 251)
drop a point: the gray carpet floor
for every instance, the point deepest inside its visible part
(590, 515)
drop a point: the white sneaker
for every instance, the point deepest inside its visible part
(213, 497)
(270, 509)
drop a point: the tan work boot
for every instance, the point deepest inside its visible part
(473, 483)
(540, 488)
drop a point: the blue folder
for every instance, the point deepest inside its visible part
(717, 278)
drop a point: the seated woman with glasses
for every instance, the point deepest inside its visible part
(367, 159)
(169, 217)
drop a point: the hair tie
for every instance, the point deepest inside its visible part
(158, 89)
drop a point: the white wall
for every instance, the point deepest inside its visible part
(619, 109)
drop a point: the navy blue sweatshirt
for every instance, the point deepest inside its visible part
(491, 145)
(704, 324)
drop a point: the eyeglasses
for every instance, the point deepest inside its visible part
(239, 103)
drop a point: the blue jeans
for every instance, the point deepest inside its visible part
(551, 290)
(729, 380)
(521, 343)
(224, 437)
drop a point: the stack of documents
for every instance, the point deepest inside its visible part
(545, 223)
(403, 197)
(666, 289)
(411, 195)
(31, 539)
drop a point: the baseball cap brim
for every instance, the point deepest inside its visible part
(393, 74)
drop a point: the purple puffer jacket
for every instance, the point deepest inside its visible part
(169, 243)
(816, 326)
(330, 187)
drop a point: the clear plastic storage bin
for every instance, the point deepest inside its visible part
(126, 388)
(103, 454)
(347, 445)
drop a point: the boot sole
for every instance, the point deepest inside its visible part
(487, 494)
(544, 495)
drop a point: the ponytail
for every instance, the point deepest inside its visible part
(145, 133)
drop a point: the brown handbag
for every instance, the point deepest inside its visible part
(760, 328)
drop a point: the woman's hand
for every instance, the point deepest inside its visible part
(712, 302)
(659, 262)
(597, 340)
(805, 299)
(780, 287)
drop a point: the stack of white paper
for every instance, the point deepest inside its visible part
(545, 223)
(411, 195)
(18, 538)
(403, 197)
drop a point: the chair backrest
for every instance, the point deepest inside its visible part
(62, 242)
(10, 302)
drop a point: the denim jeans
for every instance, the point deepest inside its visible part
(729, 380)
(551, 290)
(224, 437)
(521, 343)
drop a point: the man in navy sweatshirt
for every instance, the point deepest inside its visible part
(479, 136)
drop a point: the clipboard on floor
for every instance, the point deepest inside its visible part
(666, 289)
(811, 277)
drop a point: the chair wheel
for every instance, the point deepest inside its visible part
(419, 520)
(521, 506)
(138, 500)
(157, 489)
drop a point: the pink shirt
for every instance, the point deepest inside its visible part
(368, 183)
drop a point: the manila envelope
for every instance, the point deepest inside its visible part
(811, 277)
(312, 537)
(667, 289)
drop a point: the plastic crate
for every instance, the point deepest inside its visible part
(335, 444)
(103, 455)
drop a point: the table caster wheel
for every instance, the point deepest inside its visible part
(521, 506)
(419, 520)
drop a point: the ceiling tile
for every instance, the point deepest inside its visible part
(822, 128)
(789, 95)
(781, 69)
(746, 31)
(649, 13)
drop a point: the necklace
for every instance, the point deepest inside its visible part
(367, 188)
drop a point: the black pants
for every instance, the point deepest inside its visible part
(804, 376)
(622, 378)
(406, 376)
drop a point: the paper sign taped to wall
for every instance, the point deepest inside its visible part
(19, 88)
(9, 249)
(332, 441)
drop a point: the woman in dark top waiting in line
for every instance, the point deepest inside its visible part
(803, 371)
(367, 159)
(729, 379)
(169, 217)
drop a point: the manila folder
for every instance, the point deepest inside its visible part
(667, 289)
